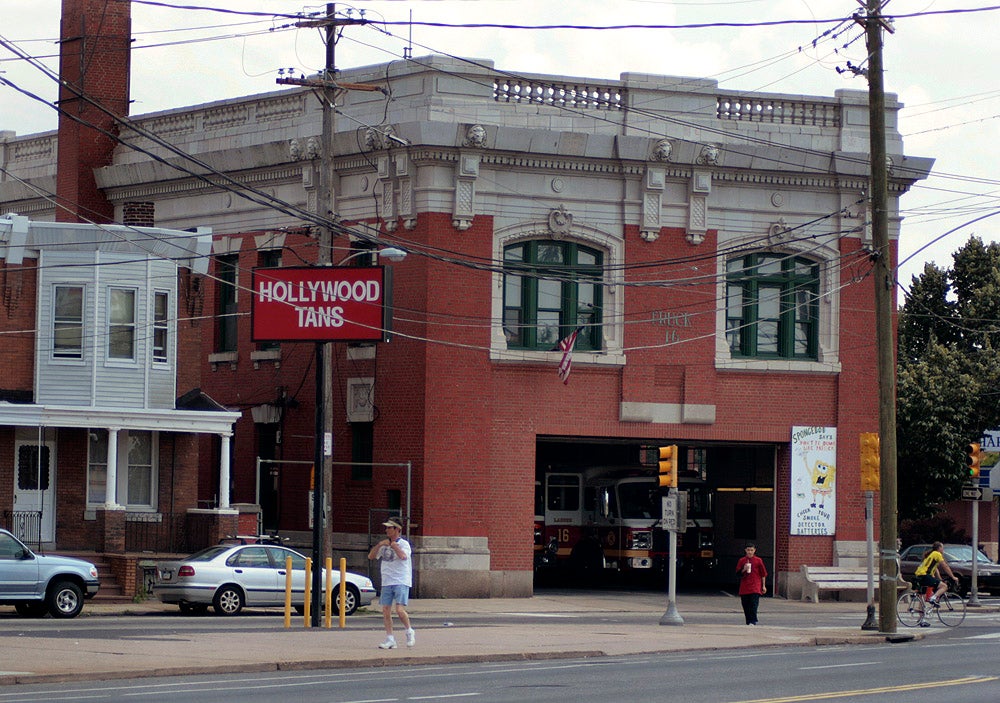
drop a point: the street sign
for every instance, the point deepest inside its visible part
(972, 493)
(675, 511)
(320, 304)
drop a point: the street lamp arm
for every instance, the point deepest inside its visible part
(389, 253)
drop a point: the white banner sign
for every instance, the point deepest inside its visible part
(814, 477)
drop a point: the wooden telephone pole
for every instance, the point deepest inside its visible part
(323, 449)
(885, 292)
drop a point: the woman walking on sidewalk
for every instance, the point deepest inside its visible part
(753, 577)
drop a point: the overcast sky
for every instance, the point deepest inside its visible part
(942, 65)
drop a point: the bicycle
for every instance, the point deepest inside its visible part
(912, 607)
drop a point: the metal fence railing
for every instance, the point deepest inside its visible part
(26, 525)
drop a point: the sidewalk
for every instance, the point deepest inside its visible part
(548, 626)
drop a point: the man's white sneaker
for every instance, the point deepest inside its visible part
(389, 643)
(411, 637)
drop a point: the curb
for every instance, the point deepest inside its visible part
(410, 660)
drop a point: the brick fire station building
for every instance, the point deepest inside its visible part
(709, 247)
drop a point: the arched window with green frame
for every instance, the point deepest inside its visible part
(772, 308)
(550, 289)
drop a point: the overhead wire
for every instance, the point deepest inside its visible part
(231, 186)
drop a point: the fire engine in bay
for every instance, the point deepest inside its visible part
(607, 519)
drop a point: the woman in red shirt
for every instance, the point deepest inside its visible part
(753, 576)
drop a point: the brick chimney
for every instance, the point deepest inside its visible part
(95, 37)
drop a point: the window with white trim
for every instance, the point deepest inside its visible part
(139, 491)
(67, 322)
(121, 323)
(550, 289)
(97, 467)
(136, 473)
(161, 326)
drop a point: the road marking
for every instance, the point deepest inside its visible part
(448, 695)
(873, 691)
(838, 666)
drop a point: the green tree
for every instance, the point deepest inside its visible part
(948, 375)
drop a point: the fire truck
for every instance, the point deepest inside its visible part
(603, 519)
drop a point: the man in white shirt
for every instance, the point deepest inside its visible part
(397, 578)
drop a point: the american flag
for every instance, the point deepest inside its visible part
(566, 347)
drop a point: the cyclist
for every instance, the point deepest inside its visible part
(932, 562)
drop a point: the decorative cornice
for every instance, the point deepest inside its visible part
(184, 186)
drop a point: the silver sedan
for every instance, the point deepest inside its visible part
(231, 577)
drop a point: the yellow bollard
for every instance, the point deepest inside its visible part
(288, 592)
(343, 592)
(329, 591)
(308, 591)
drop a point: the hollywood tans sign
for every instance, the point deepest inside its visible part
(319, 304)
(814, 477)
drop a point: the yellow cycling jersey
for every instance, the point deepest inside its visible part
(929, 563)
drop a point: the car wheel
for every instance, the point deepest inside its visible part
(351, 598)
(65, 600)
(32, 609)
(228, 601)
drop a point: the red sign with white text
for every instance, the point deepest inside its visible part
(319, 304)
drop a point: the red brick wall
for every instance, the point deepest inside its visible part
(6, 469)
(93, 60)
(18, 302)
(470, 425)
(72, 531)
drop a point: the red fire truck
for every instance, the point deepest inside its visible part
(601, 519)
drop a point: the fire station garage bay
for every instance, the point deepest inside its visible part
(599, 510)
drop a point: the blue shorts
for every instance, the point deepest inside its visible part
(394, 594)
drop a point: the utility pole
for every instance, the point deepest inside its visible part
(323, 448)
(885, 289)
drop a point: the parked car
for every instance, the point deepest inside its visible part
(959, 558)
(230, 577)
(36, 584)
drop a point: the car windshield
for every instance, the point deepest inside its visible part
(636, 498)
(963, 552)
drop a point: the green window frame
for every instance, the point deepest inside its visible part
(227, 281)
(772, 307)
(269, 258)
(550, 289)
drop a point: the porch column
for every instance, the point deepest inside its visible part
(111, 479)
(226, 441)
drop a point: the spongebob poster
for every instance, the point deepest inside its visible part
(814, 480)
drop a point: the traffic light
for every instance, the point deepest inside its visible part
(973, 459)
(870, 479)
(668, 466)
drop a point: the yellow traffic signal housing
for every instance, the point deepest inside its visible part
(974, 458)
(668, 466)
(870, 458)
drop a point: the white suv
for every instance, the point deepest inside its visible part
(36, 584)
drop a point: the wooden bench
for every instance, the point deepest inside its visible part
(838, 578)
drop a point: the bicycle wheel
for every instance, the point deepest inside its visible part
(910, 609)
(950, 610)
